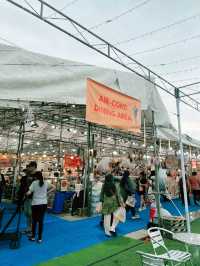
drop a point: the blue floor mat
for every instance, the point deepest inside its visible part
(62, 237)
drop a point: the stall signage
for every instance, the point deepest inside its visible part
(5, 161)
(64, 185)
(109, 107)
(71, 161)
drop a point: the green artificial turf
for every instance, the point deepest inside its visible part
(93, 253)
(116, 252)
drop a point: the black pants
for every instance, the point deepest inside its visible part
(77, 202)
(132, 209)
(196, 194)
(182, 197)
(38, 212)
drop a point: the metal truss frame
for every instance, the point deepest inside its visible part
(38, 9)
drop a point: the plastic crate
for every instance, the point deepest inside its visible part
(174, 224)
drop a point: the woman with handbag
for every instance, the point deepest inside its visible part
(111, 201)
(127, 190)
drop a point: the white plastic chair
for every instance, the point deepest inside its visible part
(150, 259)
(175, 257)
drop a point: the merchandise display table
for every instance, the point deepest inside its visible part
(188, 238)
(192, 241)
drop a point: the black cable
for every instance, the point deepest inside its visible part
(193, 78)
(120, 15)
(63, 8)
(31, 7)
(167, 45)
(149, 33)
(7, 41)
(115, 254)
(181, 71)
(176, 61)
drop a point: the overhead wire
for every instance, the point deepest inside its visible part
(194, 37)
(166, 27)
(31, 7)
(8, 42)
(181, 71)
(182, 80)
(130, 10)
(176, 61)
(63, 8)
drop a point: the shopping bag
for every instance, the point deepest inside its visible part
(120, 214)
(99, 207)
(130, 201)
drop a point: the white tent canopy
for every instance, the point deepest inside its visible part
(30, 76)
(26, 76)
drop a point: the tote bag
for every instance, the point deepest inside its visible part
(120, 214)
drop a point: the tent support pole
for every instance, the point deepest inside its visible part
(87, 188)
(156, 154)
(18, 157)
(60, 139)
(177, 95)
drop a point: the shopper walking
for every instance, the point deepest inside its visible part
(78, 197)
(39, 189)
(181, 190)
(143, 188)
(127, 190)
(111, 201)
(195, 187)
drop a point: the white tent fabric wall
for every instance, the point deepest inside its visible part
(30, 76)
(172, 134)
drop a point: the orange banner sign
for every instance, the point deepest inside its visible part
(109, 107)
